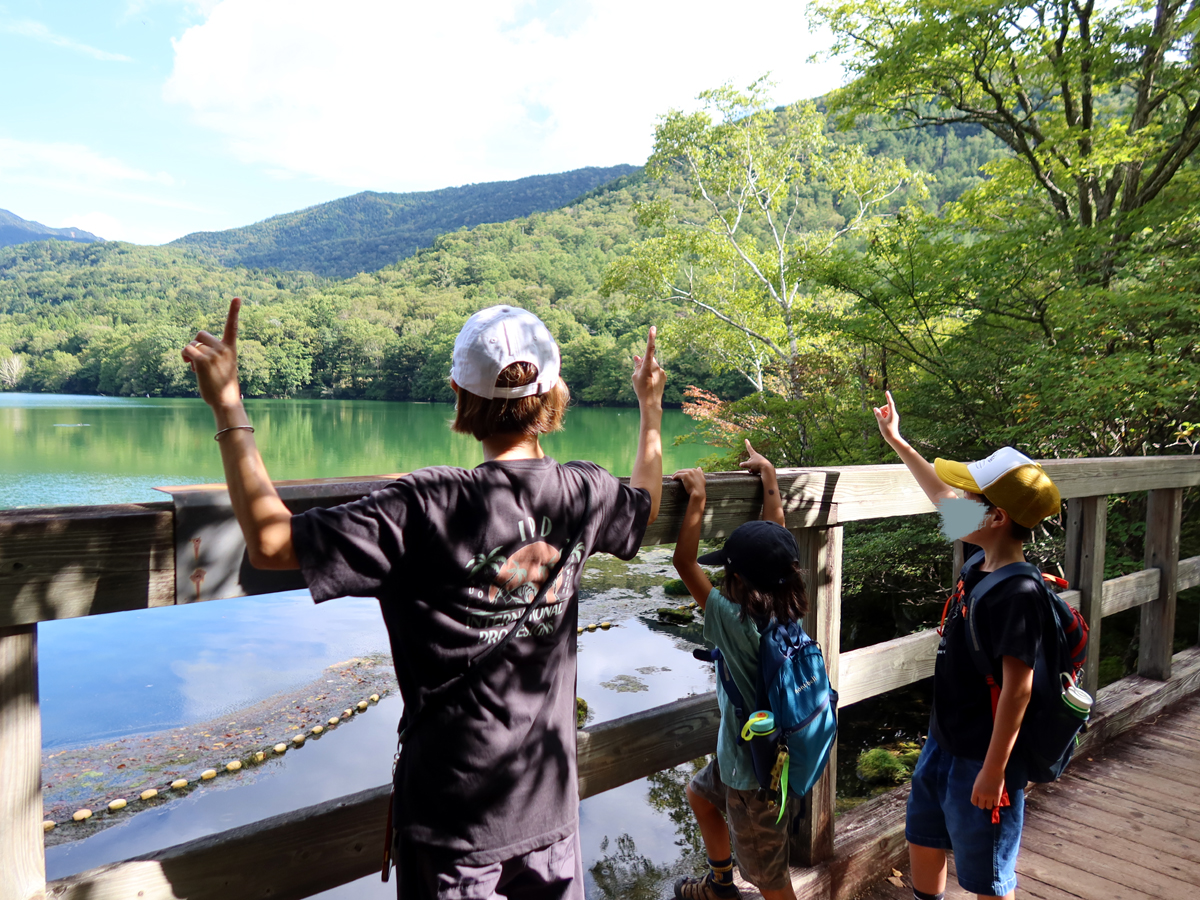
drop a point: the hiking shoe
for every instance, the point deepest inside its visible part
(705, 889)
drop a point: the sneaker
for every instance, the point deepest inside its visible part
(705, 889)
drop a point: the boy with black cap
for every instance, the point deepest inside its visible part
(967, 792)
(477, 573)
(762, 580)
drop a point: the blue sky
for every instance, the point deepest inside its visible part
(144, 120)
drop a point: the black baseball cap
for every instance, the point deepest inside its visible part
(760, 552)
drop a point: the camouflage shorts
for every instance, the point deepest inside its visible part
(759, 845)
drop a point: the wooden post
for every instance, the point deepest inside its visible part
(1087, 530)
(812, 843)
(1163, 510)
(22, 858)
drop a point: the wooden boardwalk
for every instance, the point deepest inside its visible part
(1123, 824)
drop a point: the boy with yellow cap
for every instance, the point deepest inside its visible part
(967, 790)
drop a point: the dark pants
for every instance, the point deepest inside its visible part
(550, 873)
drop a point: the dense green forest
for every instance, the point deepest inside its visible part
(368, 231)
(109, 318)
(15, 230)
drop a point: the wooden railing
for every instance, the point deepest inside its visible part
(74, 561)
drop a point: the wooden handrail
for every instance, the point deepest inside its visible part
(71, 561)
(62, 562)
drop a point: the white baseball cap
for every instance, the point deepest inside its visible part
(495, 338)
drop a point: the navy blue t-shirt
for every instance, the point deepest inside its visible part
(1009, 623)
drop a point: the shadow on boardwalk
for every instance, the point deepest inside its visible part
(1123, 824)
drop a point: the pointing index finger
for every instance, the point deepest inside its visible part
(231, 322)
(650, 336)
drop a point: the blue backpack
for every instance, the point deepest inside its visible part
(794, 687)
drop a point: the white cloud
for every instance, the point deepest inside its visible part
(73, 162)
(39, 32)
(399, 94)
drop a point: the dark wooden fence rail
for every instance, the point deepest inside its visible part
(73, 561)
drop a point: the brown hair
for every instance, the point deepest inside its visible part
(539, 414)
(787, 602)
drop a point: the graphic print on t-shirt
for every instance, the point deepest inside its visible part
(506, 584)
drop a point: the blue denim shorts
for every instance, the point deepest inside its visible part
(940, 814)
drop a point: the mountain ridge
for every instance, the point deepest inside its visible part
(371, 229)
(15, 230)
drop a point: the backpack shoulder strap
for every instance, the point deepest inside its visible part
(731, 689)
(975, 559)
(778, 643)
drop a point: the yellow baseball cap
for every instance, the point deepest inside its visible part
(1010, 480)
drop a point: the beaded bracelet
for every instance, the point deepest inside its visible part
(249, 428)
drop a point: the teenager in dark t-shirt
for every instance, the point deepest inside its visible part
(486, 801)
(967, 789)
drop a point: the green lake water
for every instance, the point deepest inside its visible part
(78, 450)
(103, 677)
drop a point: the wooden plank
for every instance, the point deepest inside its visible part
(1117, 845)
(622, 750)
(736, 497)
(1113, 863)
(285, 857)
(1125, 812)
(1163, 510)
(879, 668)
(60, 562)
(1065, 875)
(812, 841)
(1166, 763)
(1171, 731)
(1123, 704)
(1139, 780)
(1129, 591)
(1034, 889)
(1178, 732)
(1115, 815)
(1087, 525)
(869, 843)
(1189, 573)
(1079, 477)
(22, 862)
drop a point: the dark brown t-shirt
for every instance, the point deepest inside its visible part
(454, 556)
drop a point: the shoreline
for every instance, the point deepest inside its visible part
(93, 776)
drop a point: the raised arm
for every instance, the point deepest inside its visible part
(694, 578)
(265, 522)
(889, 426)
(772, 503)
(648, 382)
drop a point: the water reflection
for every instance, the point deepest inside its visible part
(104, 677)
(634, 838)
(130, 445)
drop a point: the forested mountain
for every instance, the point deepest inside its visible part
(111, 317)
(15, 230)
(367, 231)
